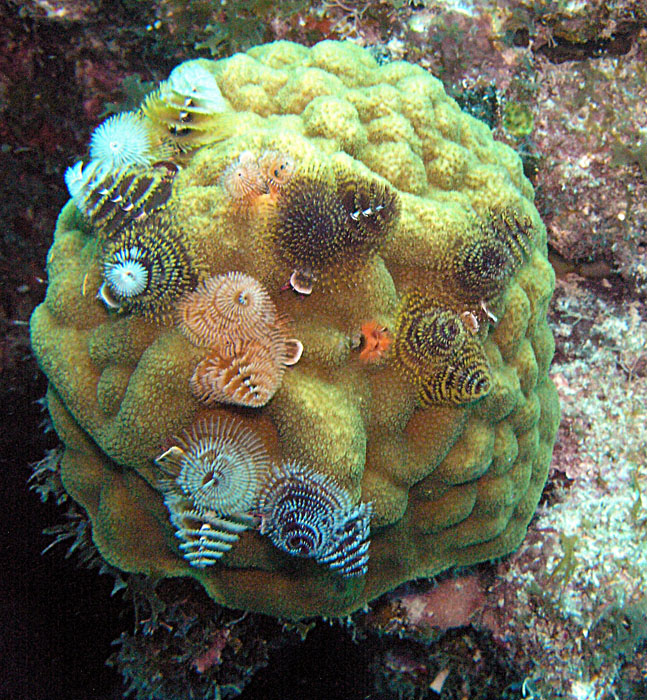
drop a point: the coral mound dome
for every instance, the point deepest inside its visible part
(388, 273)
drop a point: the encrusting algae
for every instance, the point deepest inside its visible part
(298, 349)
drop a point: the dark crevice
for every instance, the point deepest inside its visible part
(560, 49)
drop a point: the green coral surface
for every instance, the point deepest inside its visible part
(451, 482)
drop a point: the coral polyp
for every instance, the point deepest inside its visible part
(307, 515)
(218, 465)
(147, 268)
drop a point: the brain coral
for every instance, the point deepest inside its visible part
(393, 210)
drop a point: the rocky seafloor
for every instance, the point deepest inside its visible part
(563, 82)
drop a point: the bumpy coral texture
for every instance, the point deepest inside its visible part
(451, 482)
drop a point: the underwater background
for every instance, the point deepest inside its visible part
(565, 85)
